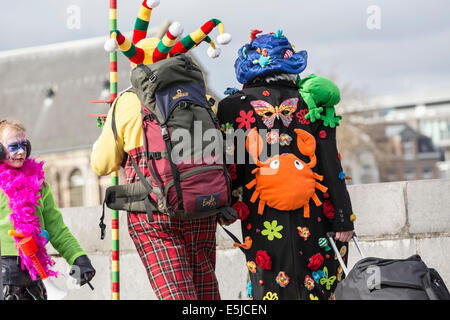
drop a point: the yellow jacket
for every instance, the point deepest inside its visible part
(107, 153)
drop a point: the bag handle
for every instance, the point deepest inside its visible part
(330, 236)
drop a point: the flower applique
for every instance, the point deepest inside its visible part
(238, 193)
(315, 261)
(246, 119)
(263, 260)
(301, 116)
(328, 209)
(309, 283)
(242, 210)
(285, 139)
(229, 149)
(303, 232)
(227, 128)
(272, 230)
(270, 296)
(232, 171)
(251, 266)
(272, 137)
(282, 279)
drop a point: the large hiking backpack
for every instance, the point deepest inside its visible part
(183, 146)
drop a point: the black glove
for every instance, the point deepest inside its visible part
(82, 270)
(227, 216)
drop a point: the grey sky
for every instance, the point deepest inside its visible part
(411, 51)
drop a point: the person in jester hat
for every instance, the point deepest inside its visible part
(288, 184)
(27, 209)
(179, 256)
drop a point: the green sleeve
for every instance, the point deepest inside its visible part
(60, 236)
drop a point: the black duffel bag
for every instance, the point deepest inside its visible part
(389, 279)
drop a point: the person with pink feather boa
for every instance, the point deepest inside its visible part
(27, 206)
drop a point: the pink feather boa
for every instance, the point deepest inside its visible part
(22, 186)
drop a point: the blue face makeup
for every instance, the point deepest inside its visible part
(16, 146)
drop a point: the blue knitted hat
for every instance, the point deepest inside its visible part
(268, 54)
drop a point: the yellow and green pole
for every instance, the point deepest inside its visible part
(115, 257)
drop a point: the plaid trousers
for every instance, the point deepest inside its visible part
(179, 255)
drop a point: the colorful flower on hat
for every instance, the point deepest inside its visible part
(272, 230)
(270, 296)
(246, 119)
(315, 261)
(263, 260)
(282, 279)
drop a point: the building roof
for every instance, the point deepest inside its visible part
(48, 89)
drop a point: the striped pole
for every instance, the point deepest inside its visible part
(115, 176)
(113, 55)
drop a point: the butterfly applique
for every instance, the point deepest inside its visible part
(269, 113)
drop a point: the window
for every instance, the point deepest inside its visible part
(408, 149)
(427, 173)
(76, 188)
(410, 174)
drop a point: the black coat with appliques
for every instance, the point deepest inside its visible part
(287, 253)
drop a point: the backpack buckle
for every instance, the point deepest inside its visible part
(152, 78)
(165, 133)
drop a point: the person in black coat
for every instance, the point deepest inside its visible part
(288, 184)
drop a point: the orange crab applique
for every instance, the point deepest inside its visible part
(285, 182)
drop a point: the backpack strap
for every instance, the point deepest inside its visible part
(175, 172)
(148, 201)
(113, 122)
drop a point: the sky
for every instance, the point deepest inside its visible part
(376, 47)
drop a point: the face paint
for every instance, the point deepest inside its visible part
(16, 146)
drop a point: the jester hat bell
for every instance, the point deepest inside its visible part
(266, 55)
(142, 50)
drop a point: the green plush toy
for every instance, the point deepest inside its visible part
(320, 91)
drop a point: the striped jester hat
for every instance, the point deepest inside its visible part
(201, 34)
(150, 50)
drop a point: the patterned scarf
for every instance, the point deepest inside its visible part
(22, 186)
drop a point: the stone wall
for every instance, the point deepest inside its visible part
(394, 220)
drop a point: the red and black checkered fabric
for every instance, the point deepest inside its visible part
(179, 255)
